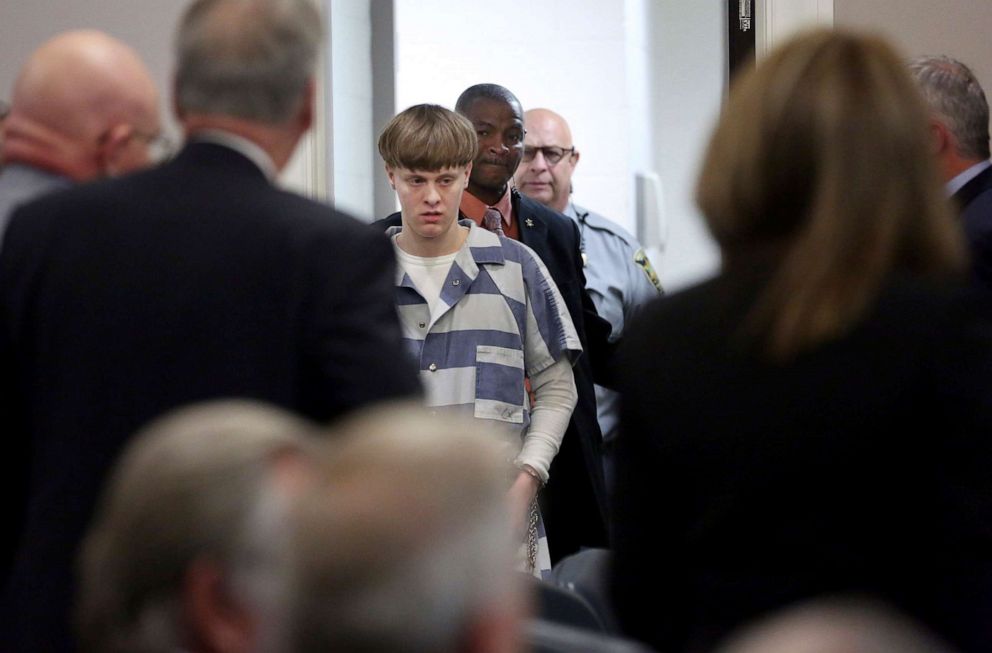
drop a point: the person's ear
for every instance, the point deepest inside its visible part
(496, 630)
(575, 158)
(308, 109)
(213, 620)
(110, 149)
(390, 175)
(468, 173)
(941, 138)
(177, 110)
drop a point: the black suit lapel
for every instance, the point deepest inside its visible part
(533, 229)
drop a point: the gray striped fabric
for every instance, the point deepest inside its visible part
(475, 352)
(502, 320)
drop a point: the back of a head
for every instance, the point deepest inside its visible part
(428, 137)
(409, 543)
(248, 59)
(834, 626)
(194, 484)
(953, 93)
(70, 92)
(821, 163)
(80, 81)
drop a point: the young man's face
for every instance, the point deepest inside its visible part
(429, 200)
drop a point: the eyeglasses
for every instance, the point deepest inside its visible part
(551, 153)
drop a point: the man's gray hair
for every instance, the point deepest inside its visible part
(195, 484)
(953, 93)
(410, 540)
(249, 59)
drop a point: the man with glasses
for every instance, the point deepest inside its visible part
(84, 106)
(619, 276)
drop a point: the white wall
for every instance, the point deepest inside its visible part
(638, 80)
(779, 19)
(687, 56)
(566, 55)
(352, 141)
(147, 25)
(959, 28)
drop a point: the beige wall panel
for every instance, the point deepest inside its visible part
(959, 28)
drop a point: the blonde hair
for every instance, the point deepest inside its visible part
(428, 137)
(821, 157)
(195, 482)
(409, 539)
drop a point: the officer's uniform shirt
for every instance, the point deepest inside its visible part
(620, 280)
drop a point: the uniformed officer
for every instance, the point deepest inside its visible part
(619, 276)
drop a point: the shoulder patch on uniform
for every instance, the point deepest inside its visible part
(642, 261)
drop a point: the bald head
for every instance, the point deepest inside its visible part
(545, 174)
(72, 92)
(549, 121)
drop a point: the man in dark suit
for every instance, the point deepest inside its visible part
(197, 280)
(960, 126)
(574, 502)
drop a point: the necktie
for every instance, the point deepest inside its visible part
(493, 221)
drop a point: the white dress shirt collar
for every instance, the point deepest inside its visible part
(958, 182)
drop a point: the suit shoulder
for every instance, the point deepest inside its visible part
(976, 216)
(391, 220)
(561, 225)
(312, 214)
(534, 208)
(61, 207)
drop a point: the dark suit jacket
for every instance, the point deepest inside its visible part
(975, 201)
(574, 502)
(860, 466)
(126, 298)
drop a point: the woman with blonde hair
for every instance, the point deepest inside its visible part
(815, 419)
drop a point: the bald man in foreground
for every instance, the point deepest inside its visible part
(84, 106)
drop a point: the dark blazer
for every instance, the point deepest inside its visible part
(975, 202)
(860, 466)
(574, 502)
(125, 298)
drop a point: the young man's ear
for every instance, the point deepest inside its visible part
(468, 173)
(389, 173)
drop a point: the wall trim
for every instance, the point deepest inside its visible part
(779, 19)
